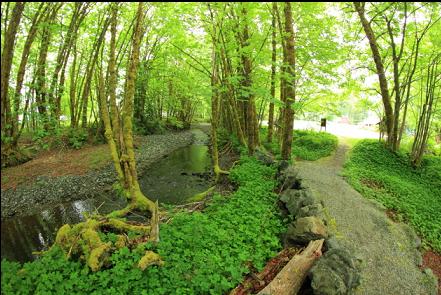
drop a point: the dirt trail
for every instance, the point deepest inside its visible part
(387, 249)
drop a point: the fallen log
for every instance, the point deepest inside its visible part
(290, 279)
(254, 282)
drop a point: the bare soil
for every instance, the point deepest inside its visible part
(56, 163)
(433, 260)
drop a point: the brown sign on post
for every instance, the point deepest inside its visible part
(323, 123)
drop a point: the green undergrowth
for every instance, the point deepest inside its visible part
(415, 194)
(312, 145)
(307, 144)
(205, 252)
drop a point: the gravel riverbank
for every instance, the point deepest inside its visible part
(26, 199)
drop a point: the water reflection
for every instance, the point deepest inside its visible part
(182, 174)
(20, 236)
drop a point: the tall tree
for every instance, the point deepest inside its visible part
(430, 95)
(90, 70)
(273, 75)
(36, 20)
(290, 91)
(379, 65)
(96, 251)
(215, 102)
(6, 63)
(41, 89)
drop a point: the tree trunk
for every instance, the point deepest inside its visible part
(89, 73)
(41, 87)
(409, 80)
(113, 78)
(273, 77)
(359, 7)
(252, 127)
(22, 67)
(425, 119)
(57, 83)
(6, 64)
(289, 84)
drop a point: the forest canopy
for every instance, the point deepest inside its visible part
(347, 59)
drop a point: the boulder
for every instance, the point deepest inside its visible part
(289, 179)
(281, 166)
(294, 200)
(310, 210)
(263, 156)
(336, 272)
(305, 229)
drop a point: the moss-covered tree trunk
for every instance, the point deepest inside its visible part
(215, 101)
(92, 248)
(279, 121)
(230, 101)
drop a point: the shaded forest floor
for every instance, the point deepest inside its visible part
(388, 249)
(57, 162)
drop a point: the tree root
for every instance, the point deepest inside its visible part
(218, 172)
(200, 196)
(149, 258)
(83, 240)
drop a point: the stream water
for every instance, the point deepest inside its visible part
(172, 179)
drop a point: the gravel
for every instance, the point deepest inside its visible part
(388, 250)
(26, 199)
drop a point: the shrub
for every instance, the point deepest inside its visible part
(77, 137)
(306, 145)
(311, 145)
(174, 123)
(150, 126)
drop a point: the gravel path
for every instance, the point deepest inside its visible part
(388, 250)
(26, 199)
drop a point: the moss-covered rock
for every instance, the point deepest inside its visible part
(305, 229)
(336, 273)
(294, 200)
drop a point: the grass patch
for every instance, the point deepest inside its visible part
(349, 141)
(415, 194)
(307, 144)
(204, 252)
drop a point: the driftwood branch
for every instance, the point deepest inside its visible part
(290, 279)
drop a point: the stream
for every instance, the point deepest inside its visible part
(171, 180)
